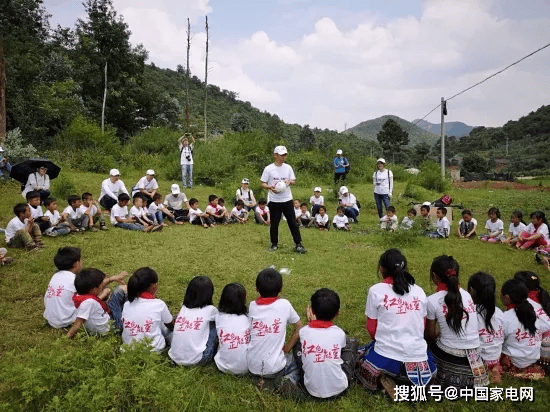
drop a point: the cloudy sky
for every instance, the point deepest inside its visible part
(328, 63)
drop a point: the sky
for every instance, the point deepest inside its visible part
(333, 64)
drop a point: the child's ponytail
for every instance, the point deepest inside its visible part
(519, 215)
(539, 214)
(483, 287)
(518, 292)
(447, 269)
(532, 281)
(395, 267)
(140, 282)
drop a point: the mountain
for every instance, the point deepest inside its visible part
(457, 129)
(369, 129)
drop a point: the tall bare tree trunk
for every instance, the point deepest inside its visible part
(2, 92)
(188, 74)
(206, 80)
(104, 100)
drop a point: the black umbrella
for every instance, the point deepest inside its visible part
(21, 171)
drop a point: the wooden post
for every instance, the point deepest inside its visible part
(104, 100)
(206, 81)
(2, 92)
(442, 137)
(188, 74)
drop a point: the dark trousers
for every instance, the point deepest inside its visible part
(381, 199)
(339, 176)
(107, 202)
(286, 209)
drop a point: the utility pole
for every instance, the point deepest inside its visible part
(206, 81)
(506, 145)
(2, 92)
(104, 100)
(443, 113)
(188, 74)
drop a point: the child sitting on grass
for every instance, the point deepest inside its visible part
(197, 217)
(239, 213)
(262, 214)
(58, 300)
(78, 221)
(91, 309)
(59, 226)
(92, 207)
(443, 226)
(139, 213)
(467, 225)
(120, 217)
(214, 210)
(426, 223)
(305, 219)
(194, 338)
(160, 212)
(408, 221)
(340, 220)
(316, 201)
(536, 233)
(297, 210)
(21, 231)
(390, 221)
(517, 225)
(322, 219)
(4, 259)
(221, 204)
(494, 226)
(34, 201)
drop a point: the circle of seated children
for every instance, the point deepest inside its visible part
(38, 181)
(111, 188)
(454, 337)
(147, 186)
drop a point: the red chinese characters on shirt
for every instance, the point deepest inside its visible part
(489, 337)
(183, 324)
(135, 328)
(263, 329)
(471, 308)
(541, 314)
(233, 341)
(319, 353)
(401, 305)
(531, 340)
(54, 293)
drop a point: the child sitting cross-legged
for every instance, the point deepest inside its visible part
(536, 232)
(194, 338)
(21, 231)
(322, 219)
(215, 211)
(95, 304)
(78, 220)
(223, 209)
(443, 226)
(494, 227)
(59, 225)
(261, 213)
(305, 219)
(197, 217)
(517, 225)
(34, 201)
(139, 213)
(317, 200)
(238, 213)
(390, 220)
(159, 212)
(426, 223)
(408, 221)
(120, 217)
(467, 225)
(340, 220)
(90, 206)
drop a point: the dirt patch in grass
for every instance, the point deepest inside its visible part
(500, 185)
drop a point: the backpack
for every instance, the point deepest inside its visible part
(443, 201)
(347, 168)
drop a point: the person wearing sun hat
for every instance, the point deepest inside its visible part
(175, 201)
(110, 189)
(147, 186)
(5, 166)
(245, 194)
(276, 179)
(340, 164)
(38, 181)
(382, 185)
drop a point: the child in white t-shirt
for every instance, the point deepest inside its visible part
(92, 207)
(144, 316)
(223, 209)
(316, 201)
(408, 221)
(194, 338)
(139, 213)
(494, 227)
(59, 225)
(34, 201)
(238, 213)
(536, 232)
(197, 217)
(120, 217)
(78, 221)
(93, 310)
(443, 227)
(261, 213)
(340, 220)
(21, 231)
(517, 225)
(390, 220)
(268, 355)
(58, 300)
(159, 212)
(322, 219)
(305, 219)
(297, 210)
(467, 226)
(215, 211)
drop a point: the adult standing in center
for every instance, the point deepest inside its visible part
(276, 179)
(186, 160)
(382, 185)
(340, 165)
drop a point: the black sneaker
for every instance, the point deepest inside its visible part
(300, 248)
(273, 248)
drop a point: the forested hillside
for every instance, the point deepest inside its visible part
(457, 129)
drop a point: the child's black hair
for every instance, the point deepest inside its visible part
(33, 194)
(157, 196)
(519, 215)
(87, 195)
(221, 201)
(66, 257)
(192, 201)
(391, 209)
(325, 304)
(323, 207)
(395, 267)
(72, 198)
(539, 214)
(239, 203)
(87, 279)
(532, 281)
(303, 204)
(518, 292)
(425, 207)
(262, 201)
(49, 201)
(495, 211)
(447, 269)
(269, 283)
(341, 208)
(140, 281)
(412, 211)
(233, 300)
(139, 196)
(199, 293)
(443, 210)
(123, 197)
(211, 198)
(482, 287)
(466, 212)
(20, 208)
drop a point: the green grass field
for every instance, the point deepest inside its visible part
(41, 370)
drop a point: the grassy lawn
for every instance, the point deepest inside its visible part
(41, 370)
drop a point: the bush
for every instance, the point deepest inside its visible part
(82, 134)
(430, 177)
(15, 149)
(63, 187)
(156, 140)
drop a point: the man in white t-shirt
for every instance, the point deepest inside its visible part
(186, 160)
(110, 189)
(147, 186)
(280, 198)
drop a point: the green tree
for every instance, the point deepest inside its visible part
(475, 163)
(240, 122)
(306, 139)
(391, 137)
(420, 153)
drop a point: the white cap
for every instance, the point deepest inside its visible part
(426, 204)
(175, 189)
(245, 180)
(343, 190)
(1, 150)
(280, 150)
(339, 151)
(150, 172)
(114, 172)
(3, 250)
(317, 189)
(381, 160)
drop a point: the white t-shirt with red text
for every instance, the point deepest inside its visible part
(234, 336)
(96, 319)
(322, 361)
(267, 336)
(60, 311)
(400, 329)
(437, 309)
(491, 341)
(143, 318)
(190, 336)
